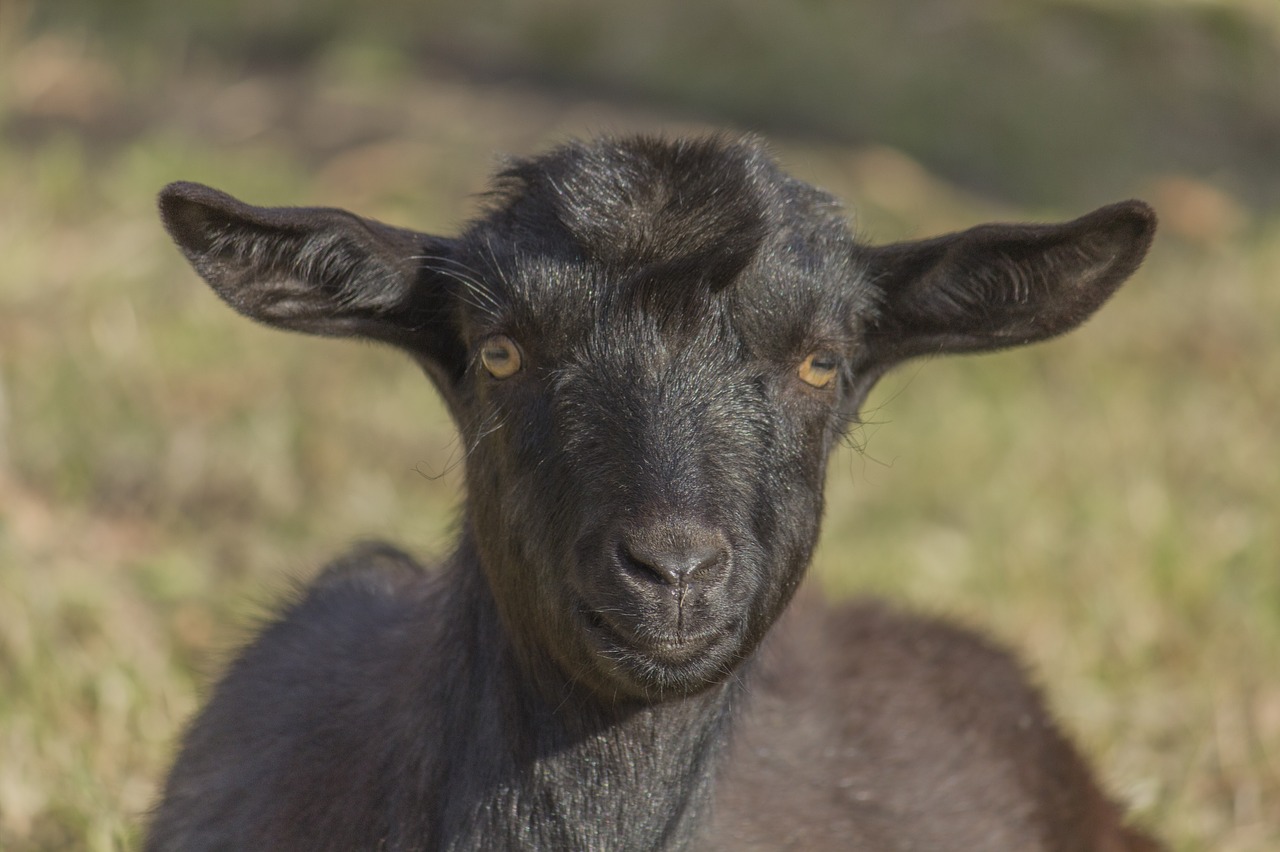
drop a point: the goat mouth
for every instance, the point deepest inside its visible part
(663, 648)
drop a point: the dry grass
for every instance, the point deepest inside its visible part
(1106, 503)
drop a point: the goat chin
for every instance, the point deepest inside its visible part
(650, 347)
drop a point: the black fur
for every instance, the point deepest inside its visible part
(643, 497)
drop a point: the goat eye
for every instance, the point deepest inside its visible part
(500, 356)
(819, 369)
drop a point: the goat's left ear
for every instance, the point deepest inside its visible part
(999, 285)
(317, 270)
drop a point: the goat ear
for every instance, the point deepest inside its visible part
(1001, 285)
(316, 270)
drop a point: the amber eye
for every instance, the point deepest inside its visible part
(500, 356)
(819, 369)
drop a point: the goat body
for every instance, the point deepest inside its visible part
(649, 348)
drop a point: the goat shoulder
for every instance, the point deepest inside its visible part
(871, 729)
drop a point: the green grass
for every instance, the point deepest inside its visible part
(1105, 503)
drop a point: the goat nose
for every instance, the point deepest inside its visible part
(673, 559)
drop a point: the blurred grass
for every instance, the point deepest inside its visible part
(1106, 503)
(1036, 100)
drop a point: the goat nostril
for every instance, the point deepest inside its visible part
(670, 565)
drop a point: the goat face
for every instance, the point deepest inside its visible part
(653, 385)
(649, 348)
(658, 489)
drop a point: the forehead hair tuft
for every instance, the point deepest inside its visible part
(698, 207)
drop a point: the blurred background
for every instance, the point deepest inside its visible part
(1106, 503)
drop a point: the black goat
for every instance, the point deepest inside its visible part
(649, 348)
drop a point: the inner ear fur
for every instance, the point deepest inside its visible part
(1001, 285)
(317, 270)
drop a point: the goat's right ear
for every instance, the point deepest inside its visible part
(317, 270)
